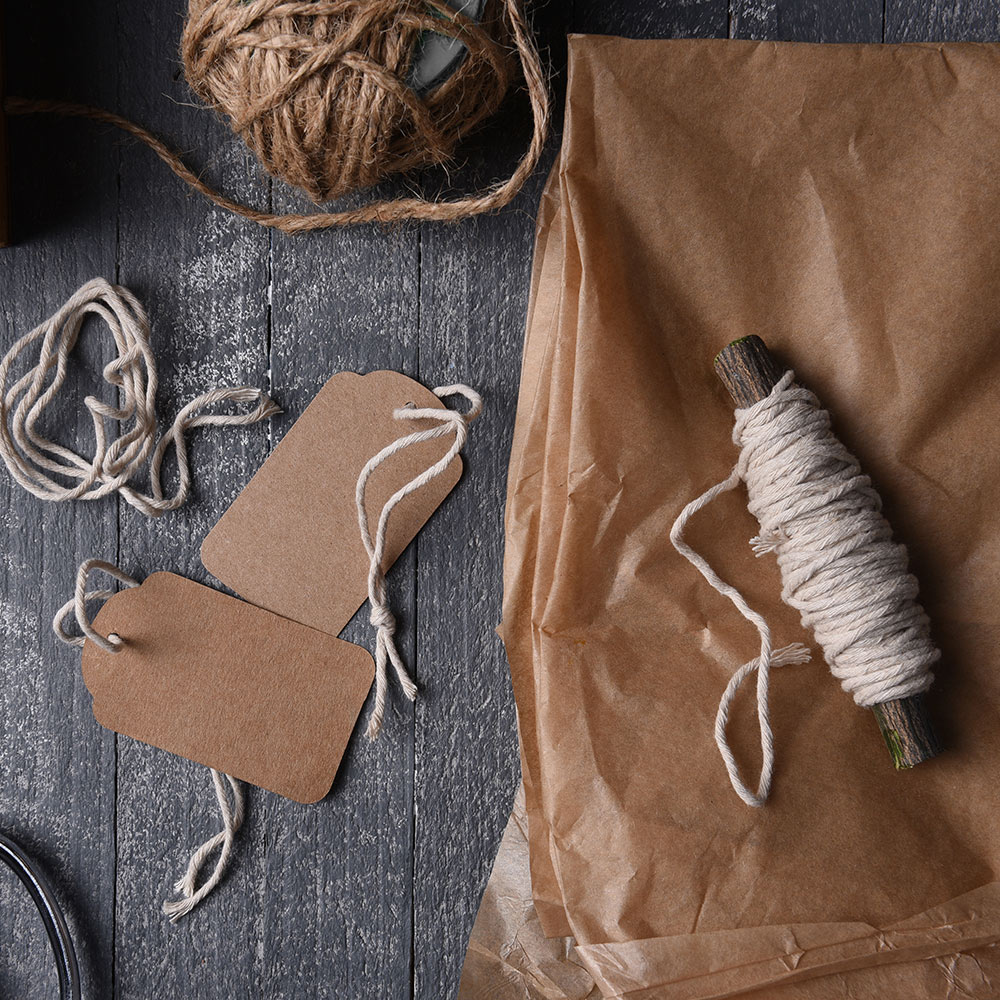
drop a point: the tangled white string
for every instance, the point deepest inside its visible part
(839, 566)
(229, 791)
(447, 422)
(53, 472)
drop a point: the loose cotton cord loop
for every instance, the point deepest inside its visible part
(448, 422)
(43, 467)
(840, 567)
(762, 664)
(229, 792)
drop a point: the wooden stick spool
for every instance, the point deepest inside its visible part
(749, 372)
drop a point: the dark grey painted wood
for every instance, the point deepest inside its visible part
(57, 768)
(371, 893)
(941, 20)
(203, 276)
(807, 20)
(340, 872)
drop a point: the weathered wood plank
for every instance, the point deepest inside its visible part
(807, 20)
(649, 19)
(472, 314)
(339, 923)
(942, 20)
(57, 768)
(203, 276)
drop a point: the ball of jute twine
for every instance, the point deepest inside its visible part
(319, 91)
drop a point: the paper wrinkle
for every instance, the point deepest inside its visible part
(862, 247)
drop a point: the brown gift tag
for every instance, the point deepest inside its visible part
(221, 682)
(290, 541)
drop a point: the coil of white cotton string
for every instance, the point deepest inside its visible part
(840, 567)
(447, 422)
(52, 471)
(228, 791)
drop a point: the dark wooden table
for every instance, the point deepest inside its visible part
(371, 893)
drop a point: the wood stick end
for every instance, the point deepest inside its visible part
(748, 370)
(733, 344)
(906, 727)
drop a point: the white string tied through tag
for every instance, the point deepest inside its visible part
(38, 463)
(229, 792)
(447, 422)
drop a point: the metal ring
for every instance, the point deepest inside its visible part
(48, 907)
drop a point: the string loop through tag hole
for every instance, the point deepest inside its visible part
(77, 606)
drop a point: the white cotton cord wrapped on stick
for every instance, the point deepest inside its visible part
(446, 422)
(53, 472)
(840, 566)
(228, 791)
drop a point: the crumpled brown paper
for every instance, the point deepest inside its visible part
(842, 202)
(509, 956)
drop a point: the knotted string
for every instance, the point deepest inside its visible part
(229, 791)
(447, 422)
(840, 567)
(39, 464)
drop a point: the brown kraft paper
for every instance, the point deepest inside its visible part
(842, 202)
(290, 542)
(509, 958)
(221, 682)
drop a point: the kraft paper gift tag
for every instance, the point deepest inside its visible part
(226, 684)
(838, 201)
(264, 691)
(290, 542)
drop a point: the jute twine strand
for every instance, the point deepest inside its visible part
(53, 472)
(228, 791)
(448, 422)
(318, 90)
(840, 567)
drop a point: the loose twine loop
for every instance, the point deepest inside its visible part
(840, 567)
(319, 91)
(447, 422)
(51, 471)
